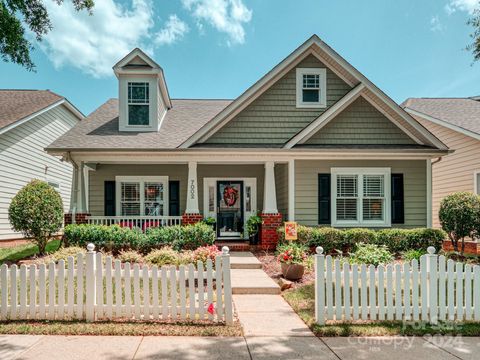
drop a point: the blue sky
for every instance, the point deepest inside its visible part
(218, 48)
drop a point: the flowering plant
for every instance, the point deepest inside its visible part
(204, 253)
(292, 253)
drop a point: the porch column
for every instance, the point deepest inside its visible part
(291, 190)
(192, 211)
(269, 193)
(81, 194)
(78, 204)
(429, 193)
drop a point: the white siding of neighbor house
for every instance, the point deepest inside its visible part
(22, 158)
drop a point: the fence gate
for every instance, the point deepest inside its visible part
(94, 287)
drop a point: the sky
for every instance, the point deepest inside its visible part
(218, 48)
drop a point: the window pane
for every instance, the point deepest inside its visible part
(346, 209)
(138, 115)
(130, 209)
(154, 195)
(211, 198)
(130, 191)
(347, 186)
(372, 209)
(138, 92)
(311, 81)
(373, 185)
(310, 96)
(248, 198)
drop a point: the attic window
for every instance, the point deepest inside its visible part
(311, 87)
(138, 104)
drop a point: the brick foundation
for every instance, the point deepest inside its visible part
(268, 232)
(190, 219)
(80, 218)
(471, 247)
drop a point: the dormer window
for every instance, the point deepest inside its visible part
(311, 88)
(138, 104)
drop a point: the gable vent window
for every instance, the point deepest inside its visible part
(138, 104)
(362, 197)
(311, 87)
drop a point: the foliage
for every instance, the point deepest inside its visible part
(62, 254)
(188, 237)
(204, 253)
(130, 256)
(412, 254)
(396, 240)
(14, 254)
(163, 256)
(474, 21)
(15, 16)
(37, 212)
(329, 238)
(303, 234)
(253, 225)
(292, 253)
(371, 254)
(354, 236)
(422, 238)
(211, 221)
(459, 215)
(159, 237)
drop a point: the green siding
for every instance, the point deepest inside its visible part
(281, 187)
(360, 123)
(306, 187)
(273, 118)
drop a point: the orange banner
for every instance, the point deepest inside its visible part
(290, 230)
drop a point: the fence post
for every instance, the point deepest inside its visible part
(432, 264)
(90, 278)
(227, 285)
(319, 286)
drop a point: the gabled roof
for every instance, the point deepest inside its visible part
(460, 114)
(19, 106)
(344, 70)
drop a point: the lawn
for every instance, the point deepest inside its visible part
(17, 253)
(302, 300)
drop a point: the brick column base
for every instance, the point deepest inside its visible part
(471, 247)
(190, 219)
(268, 233)
(80, 218)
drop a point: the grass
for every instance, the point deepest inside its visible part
(17, 253)
(151, 328)
(302, 300)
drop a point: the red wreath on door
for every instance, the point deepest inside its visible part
(230, 195)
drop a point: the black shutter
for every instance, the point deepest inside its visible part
(109, 198)
(174, 198)
(398, 208)
(324, 198)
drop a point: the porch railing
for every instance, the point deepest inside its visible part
(139, 222)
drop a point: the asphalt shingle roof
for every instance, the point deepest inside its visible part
(461, 112)
(100, 129)
(18, 104)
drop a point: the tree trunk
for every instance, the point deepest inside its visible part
(463, 246)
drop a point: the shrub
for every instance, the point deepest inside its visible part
(185, 257)
(328, 238)
(130, 256)
(354, 236)
(62, 254)
(396, 240)
(459, 213)
(304, 234)
(163, 256)
(179, 237)
(159, 237)
(422, 238)
(412, 254)
(37, 212)
(371, 254)
(292, 253)
(204, 253)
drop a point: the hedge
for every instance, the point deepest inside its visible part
(115, 238)
(396, 240)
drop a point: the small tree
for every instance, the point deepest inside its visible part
(37, 212)
(458, 215)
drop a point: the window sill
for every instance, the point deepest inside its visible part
(311, 106)
(361, 224)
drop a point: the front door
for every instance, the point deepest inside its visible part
(230, 209)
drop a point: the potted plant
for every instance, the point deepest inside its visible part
(253, 226)
(292, 257)
(211, 221)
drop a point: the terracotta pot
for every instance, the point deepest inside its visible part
(292, 271)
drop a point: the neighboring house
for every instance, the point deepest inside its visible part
(29, 121)
(456, 122)
(312, 141)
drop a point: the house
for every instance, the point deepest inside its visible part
(312, 141)
(456, 122)
(29, 121)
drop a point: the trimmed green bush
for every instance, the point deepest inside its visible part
(163, 256)
(412, 254)
(422, 238)
(354, 236)
(396, 240)
(37, 212)
(329, 238)
(189, 237)
(304, 234)
(371, 254)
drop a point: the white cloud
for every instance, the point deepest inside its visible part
(174, 30)
(461, 5)
(435, 24)
(93, 43)
(227, 16)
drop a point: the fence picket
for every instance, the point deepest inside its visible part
(459, 290)
(201, 300)
(424, 287)
(164, 293)
(476, 292)
(146, 293)
(209, 287)
(363, 291)
(70, 287)
(155, 301)
(23, 292)
(218, 280)
(415, 293)
(451, 289)
(128, 290)
(183, 295)
(173, 292)
(108, 288)
(381, 292)
(13, 292)
(99, 284)
(42, 295)
(338, 290)
(32, 303)
(468, 292)
(398, 292)
(191, 291)
(61, 289)
(406, 292)
(80, 286)
(442, 294)
(389, 292)
(51, 291)
(136, 292)
(355, 303)
(118, 288)
(372, 294)
(329, 291)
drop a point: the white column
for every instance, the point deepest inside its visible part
(429, 192)
(81, 196)
(269, 193)
(291, 190)
(74, 191)
(192, 189)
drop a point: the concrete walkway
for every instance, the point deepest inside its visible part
(248, 348)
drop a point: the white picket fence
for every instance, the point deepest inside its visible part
(430, 290)
(93, 287)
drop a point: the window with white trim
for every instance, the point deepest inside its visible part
(311, 87)
(138, 103)
(142, 196)
(361, 196)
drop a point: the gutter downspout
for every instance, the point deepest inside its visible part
(74, 192)
(437, 161)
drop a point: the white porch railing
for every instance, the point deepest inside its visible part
(140, 222)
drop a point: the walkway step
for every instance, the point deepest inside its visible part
(244, 260)
(253, 281)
